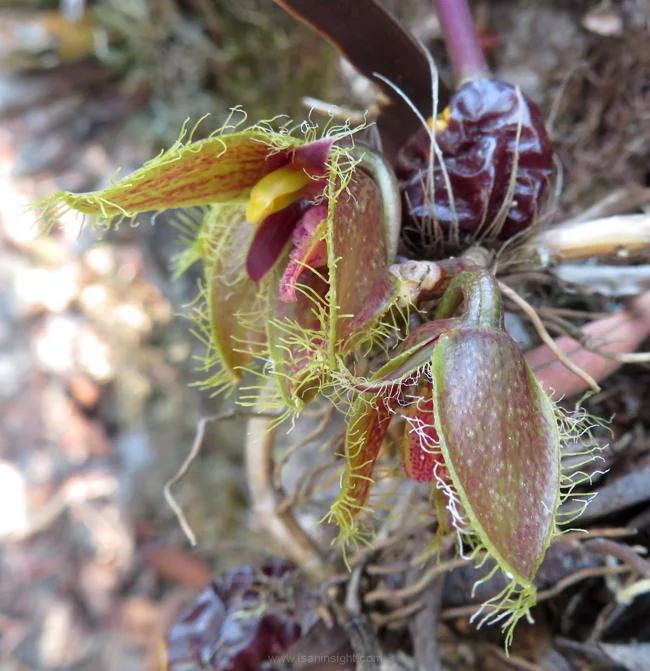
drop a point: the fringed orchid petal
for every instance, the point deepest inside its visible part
(221, 168)
(235, 326)
(367, 425)
(309, 250)
(379, 399)
(337, 287)
(361, 287)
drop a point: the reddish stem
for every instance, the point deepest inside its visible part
(461, 39)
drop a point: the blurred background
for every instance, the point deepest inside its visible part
(97, 410)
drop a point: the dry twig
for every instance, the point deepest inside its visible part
(623, 553)
(280, 524)
(187, 462)
(621, 333)
(397, 615)
(515, 661)
(611, 236)
(546, 338)
(189, 459)
(392, 595)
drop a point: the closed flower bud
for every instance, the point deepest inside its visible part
(487, 177)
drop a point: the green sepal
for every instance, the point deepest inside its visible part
(501, 445)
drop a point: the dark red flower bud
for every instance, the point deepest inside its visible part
(235, 624)
(489, 177)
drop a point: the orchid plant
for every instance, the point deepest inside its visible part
(299, 238)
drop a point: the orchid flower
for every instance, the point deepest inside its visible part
(296, 241)
(477, 425)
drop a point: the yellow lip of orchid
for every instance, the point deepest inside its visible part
(440, 122)
(274, 192)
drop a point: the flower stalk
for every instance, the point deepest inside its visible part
(480, 298)
(461, 40)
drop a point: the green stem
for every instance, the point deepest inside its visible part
(461, 39)
(478, 293)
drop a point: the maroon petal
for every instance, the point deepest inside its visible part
(366, 428)
(270, 240)
(312, 157)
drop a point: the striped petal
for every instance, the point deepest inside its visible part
(362, 288)
(367, 425)
(218, 169)
(235, 322)
(380, 398)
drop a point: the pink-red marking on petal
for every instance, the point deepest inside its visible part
(309, 250)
